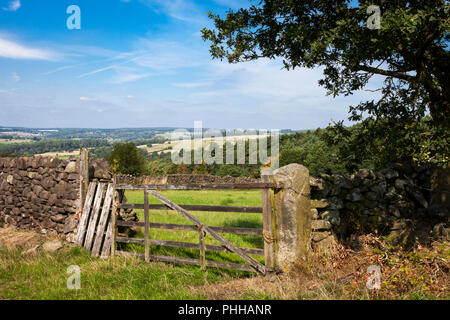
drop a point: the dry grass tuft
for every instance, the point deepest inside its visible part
(342, 274)
(12, 238)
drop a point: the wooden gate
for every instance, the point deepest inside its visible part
(202, 229)
(95, 228)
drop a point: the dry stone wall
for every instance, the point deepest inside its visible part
(42, 193)
(396, 202)
(183, 179)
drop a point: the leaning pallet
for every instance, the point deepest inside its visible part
(96, 218)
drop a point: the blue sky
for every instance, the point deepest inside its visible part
(142, 63)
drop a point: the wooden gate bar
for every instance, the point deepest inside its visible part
(114, 220)
(168, 226)
(85, 213)
(94, 217)
(258, 266)
(103, 219)
(196, 262)
(254, 185)
(194, 208)
(106, 250)
(188, 245)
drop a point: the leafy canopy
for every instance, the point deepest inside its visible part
(126, 158)
(409, 50)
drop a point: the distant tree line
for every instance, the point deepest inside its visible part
(50, 145)
(13, 137)
(335, 149)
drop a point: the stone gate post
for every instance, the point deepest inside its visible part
(291, 215)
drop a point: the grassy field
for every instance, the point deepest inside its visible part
(10, 141)
(44, 277)
(61, 154)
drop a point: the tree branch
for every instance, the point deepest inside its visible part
(386, 73)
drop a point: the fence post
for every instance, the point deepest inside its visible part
(114, 219)
(146, 227)
(201, 238)
(291, 215)
(84, 175)
(267, 176)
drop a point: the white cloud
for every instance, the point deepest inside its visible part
(15, 77)
(87, 99)
(13, 6)
(130, 77)
(192, 84)
(97, 71)
(163, 55)
(153, 57)
(9, 91)
(13, 50)
(115, 66)
(184, 10)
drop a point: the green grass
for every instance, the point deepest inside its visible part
(207, 197)
(45, 277)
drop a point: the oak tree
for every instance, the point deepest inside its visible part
(409, 51)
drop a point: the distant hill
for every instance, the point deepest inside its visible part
(118, 134)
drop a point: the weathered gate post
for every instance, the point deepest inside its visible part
(84, 175)
(267, 176)
(291, 215)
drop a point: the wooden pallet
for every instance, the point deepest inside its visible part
(96, 223)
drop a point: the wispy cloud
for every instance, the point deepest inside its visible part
(9, 91)
(184, 10)
(163, 55)
(14, 5)
(150, 57)
(60, 69)
(15, 77)
(192, 84)
(97, 71)
(130, 77)
(110, 67)
(13, 50)
(87, 99)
